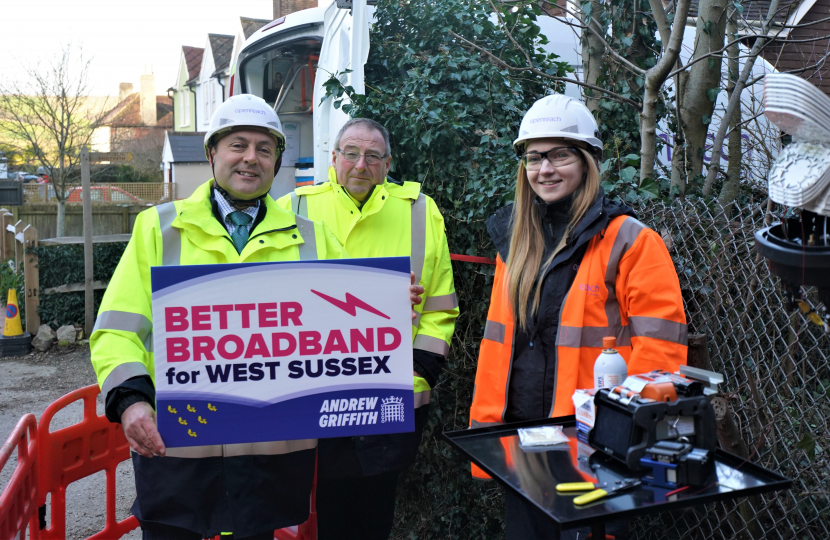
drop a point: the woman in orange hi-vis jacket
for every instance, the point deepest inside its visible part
(572, 267)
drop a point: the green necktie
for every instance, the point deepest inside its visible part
(240, 234)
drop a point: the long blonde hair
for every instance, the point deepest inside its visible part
(527, 242)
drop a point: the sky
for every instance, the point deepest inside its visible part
(124, 38)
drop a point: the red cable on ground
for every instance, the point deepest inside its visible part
(471, 258)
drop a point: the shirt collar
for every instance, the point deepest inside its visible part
(226, 209)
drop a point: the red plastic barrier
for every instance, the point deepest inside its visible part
(18, 501)
(52, 461)
(69, 454)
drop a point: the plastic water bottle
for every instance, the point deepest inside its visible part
(610, 368)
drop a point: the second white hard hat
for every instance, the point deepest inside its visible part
(561, 117)
(240, 111)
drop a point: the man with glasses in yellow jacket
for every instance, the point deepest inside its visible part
(373, 215)
(198, 492)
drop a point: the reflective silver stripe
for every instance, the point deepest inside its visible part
(127, 322)
(272, 448)
(418, 244)
(476, 424)
(555, 359)
(626, 236)
(416, 322)
(422, 398)
(171, 237)
(494, 331)
(591, 336)
(308, 249)
(297, 205)
(121, 373)
(653, 327)
(431, 344)
(444, 302)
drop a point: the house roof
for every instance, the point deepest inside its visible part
(249, 26)
(128, 113)
(221, 46)
(806, 51)
(756, 10)
(193, 59)
(187, 148)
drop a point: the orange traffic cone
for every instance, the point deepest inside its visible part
(13, 327)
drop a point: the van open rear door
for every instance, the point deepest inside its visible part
(345, 47)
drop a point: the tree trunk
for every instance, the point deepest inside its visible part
(593, 51)
(733, 170)
(61, 221)
(695, 106)
(678, 156)
(735, 102)
(654, 80)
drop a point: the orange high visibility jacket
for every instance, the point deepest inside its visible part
(626, 287)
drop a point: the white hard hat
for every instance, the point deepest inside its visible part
(244, 110)
(561, 117)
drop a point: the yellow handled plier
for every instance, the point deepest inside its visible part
(599, 490)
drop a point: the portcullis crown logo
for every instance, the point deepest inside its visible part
(391, 409)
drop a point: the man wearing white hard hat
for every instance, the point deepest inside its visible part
(199, 492)
(573, 267)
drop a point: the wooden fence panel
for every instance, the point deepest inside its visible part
(106, 220)
(6, 219)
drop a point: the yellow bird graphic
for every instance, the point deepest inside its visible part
(171, 409)
(211, 407)
(191, 433)
(202, 420)
(182, 421)
(191, 409)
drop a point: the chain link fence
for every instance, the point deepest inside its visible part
(776, 367)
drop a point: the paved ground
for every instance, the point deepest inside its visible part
(28, 384)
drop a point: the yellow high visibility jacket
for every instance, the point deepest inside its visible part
(396, 221)
(183, 233)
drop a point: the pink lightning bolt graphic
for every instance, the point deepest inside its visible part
(350, 305)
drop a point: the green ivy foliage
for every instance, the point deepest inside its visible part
(62, 265)
(58, 310)
(452, 117)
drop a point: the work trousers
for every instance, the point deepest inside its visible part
(523, 521)
(360, 508)
(167, 532)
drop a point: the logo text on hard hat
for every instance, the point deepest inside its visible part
(255, 111)
(546, 119)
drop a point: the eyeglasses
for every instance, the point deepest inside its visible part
(557, 157)
(354, 157)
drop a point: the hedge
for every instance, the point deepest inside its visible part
(63, 265)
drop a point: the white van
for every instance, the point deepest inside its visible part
(287, 62)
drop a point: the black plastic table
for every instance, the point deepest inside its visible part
(534, 475)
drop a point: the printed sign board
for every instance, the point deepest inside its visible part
(281, 351)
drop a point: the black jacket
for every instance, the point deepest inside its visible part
(532, 374)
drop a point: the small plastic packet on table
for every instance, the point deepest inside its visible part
(542, 437)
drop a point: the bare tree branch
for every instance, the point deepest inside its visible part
(49, 114)
(735, 99)
(611, 95)
(631, 67)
